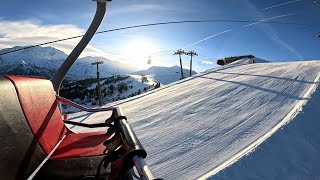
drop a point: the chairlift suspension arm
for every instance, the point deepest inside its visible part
(65, 67)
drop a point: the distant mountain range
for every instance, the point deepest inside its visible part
(165, 75)
(45, 61)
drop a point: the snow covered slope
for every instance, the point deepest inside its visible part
(199, 126)
(291, 153)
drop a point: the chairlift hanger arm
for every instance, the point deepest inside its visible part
(65, 67)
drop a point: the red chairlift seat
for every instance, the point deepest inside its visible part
(30, 127)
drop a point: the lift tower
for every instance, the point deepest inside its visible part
(191, 53)
(98, 81)
(180, 52)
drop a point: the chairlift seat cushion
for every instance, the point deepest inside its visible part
(81, 145)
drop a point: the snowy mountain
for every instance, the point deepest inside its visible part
(45, 61)
(165, 75)
(42, 61)
(246, 121)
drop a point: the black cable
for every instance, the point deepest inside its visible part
(161, 23)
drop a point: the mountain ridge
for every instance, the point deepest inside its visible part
(45, 61)
(164, 75)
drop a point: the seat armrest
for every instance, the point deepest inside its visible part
(65, 101)
(88, 125)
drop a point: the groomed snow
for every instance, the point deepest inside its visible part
(196, 127)
(292, 153)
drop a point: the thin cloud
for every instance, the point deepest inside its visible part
(207, 62)
(269, 31)
(273, 35)
(281, 4)
(25, 33)
(138, 8)
(267, 19)
(209, 37)
(229, 30)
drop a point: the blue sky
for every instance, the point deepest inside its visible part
(31, 22)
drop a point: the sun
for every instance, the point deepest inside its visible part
(138, 51)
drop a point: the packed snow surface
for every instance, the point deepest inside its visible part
(291, 153)
(194, 128)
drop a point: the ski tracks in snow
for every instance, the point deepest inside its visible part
(198, 126)
(285, 120)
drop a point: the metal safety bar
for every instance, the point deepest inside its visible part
(142, 168)
(65, 101)
(133, 152)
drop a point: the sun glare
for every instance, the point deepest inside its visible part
(138, 51)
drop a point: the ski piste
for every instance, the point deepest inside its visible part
(196, 127)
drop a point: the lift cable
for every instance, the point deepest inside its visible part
(163, 23)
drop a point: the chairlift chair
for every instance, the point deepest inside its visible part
(33, 132)
(35, 143)
(149, 60)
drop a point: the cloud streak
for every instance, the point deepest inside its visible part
(229, 30)
(209, 37)
(207, 62)
(25, 33)
(273, 35)
(278, 5)
(267, 19)
(138, 8)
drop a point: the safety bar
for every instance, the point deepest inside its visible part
(133, 151)
(65, 101)
(142, 168)
(130, 141)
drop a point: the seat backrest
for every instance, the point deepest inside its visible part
(20, 154)
(38, 102)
